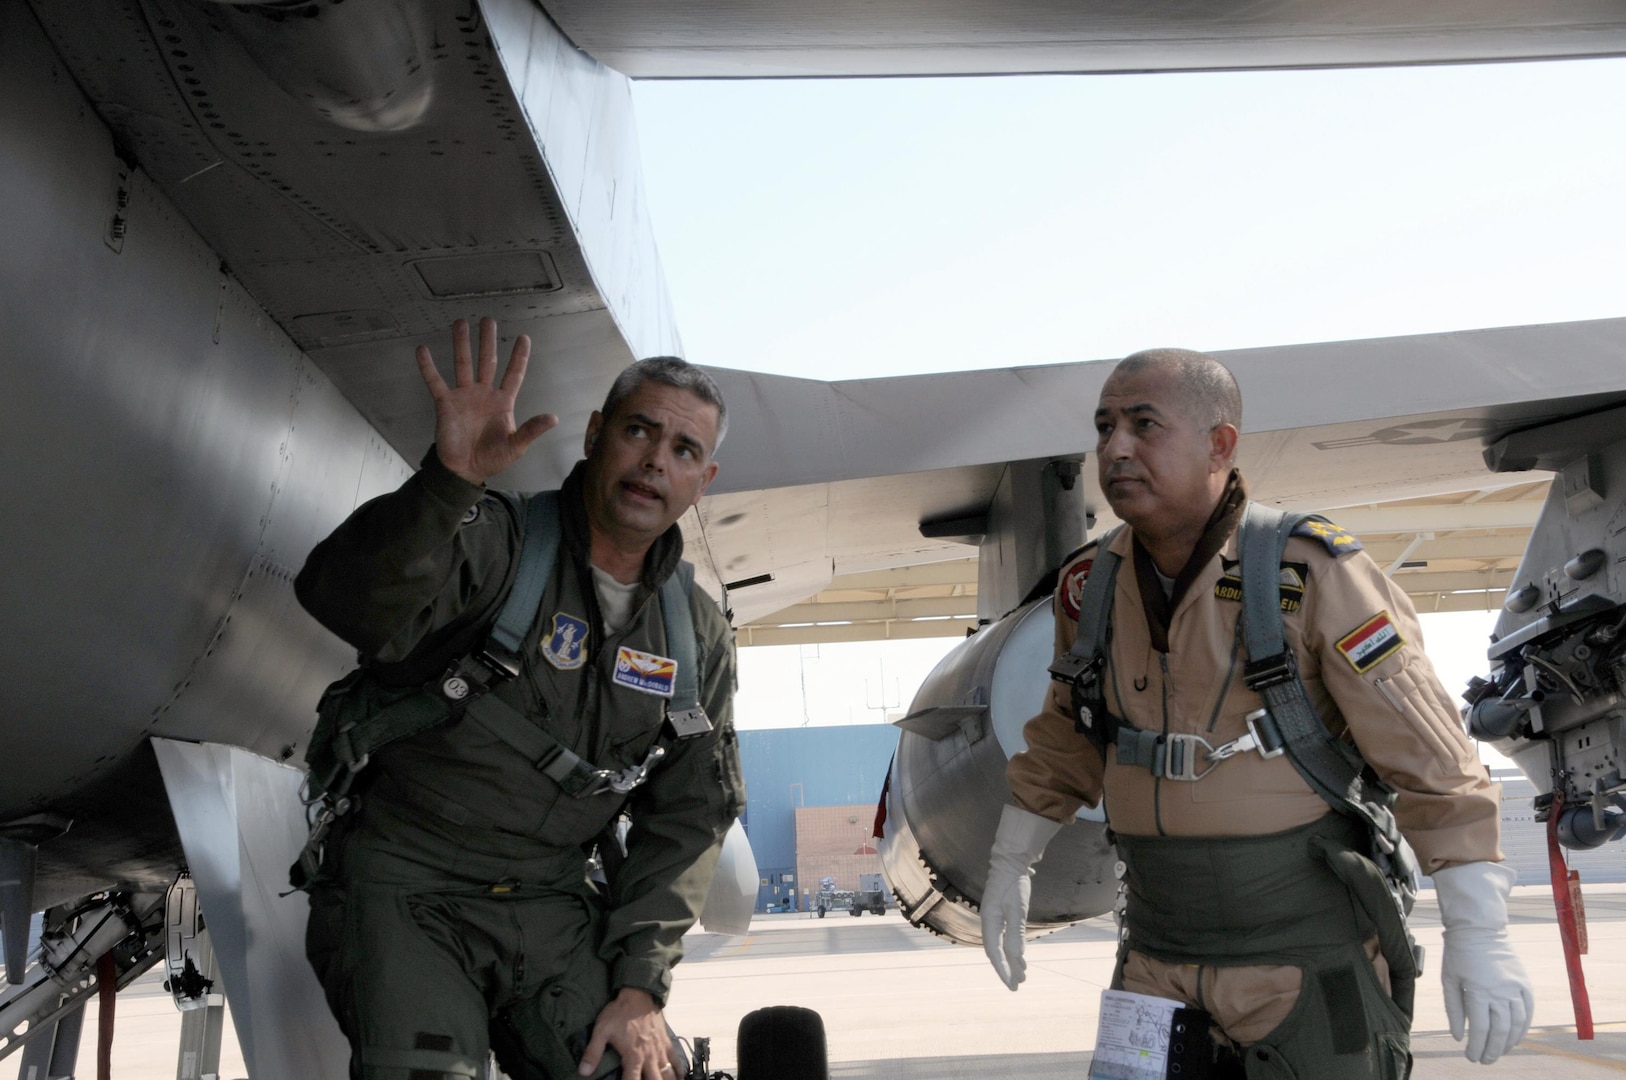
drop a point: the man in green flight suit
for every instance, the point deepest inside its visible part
(453, 914)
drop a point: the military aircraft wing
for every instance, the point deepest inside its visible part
(826, 479)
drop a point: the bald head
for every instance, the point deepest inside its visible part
(1207, 391)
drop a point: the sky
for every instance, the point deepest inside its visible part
(844, 228)
(871, 227)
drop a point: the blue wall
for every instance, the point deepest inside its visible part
(812, 766)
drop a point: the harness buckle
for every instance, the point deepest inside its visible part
(473, 675)
(1075, 670)
(688, 723)
(1257, 675)
(1181, 757)
(1267, 739)
(623, 782)
(502, 663)
(1178, 754)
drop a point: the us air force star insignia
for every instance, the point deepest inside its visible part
(1337, 540)
(471, 516)
(566, 644)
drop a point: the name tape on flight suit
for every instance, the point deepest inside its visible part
(1290, 582)
(1371, 643)
(645, 672)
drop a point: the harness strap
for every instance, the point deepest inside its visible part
(556, 760)
(684, 711)
(1333, 768)
(1081, 665)
(1191, 757)
(539, 551)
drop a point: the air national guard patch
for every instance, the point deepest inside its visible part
(645, 672)
(566, 644)
(1290, 583)
(1337, 540)
(1072, 591)
(1371, 643)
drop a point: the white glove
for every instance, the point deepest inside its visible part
(1485, 985)
(1018, 845)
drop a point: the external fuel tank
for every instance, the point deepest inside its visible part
(947, 786)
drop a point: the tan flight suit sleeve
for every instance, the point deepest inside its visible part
(1060, 770)
(1404, 722)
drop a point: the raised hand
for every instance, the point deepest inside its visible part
(475, 435)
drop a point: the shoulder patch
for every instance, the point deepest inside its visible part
(565, 645)
(1371, 643)
(471, 516)
(1290, 583)
(1072, 587)
(1338, 541)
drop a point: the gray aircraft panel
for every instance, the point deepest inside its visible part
(804, 430)
(762, 39)
(171, 457)
(240, 820)
(511, 189)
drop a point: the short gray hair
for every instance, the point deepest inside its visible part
(1207, 386)
(670, 371)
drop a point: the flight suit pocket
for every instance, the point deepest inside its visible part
(1343, 1027)
(1413, 695)
(730, 774)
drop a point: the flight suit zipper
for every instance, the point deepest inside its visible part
(1230, 670)
(1157, 781)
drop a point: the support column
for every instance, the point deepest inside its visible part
(1037, 517)
(54, 1056)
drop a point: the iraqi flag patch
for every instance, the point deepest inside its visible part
(645, 672)
(1371, 643)
(1072, 588)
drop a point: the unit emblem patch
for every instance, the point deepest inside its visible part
(645, 672)
(1072, 592)
(1337, 540)
(1371, 643)
(1290, 582)
(471, 515)
(565, 646)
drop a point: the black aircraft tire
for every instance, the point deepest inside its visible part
(782, 1042)
(821, 911)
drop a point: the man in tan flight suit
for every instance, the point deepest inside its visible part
(1231, 906)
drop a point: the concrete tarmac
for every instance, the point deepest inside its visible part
(901, 1004)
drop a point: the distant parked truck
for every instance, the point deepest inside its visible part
(871, 895)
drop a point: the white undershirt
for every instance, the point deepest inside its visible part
(1166, 582)
(615, 600)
